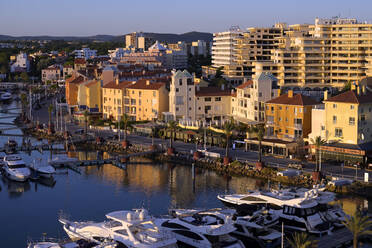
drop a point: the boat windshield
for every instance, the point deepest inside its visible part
(17, 166)
(302, 212)
(113, 223)
(12, 158)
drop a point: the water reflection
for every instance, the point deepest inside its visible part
(15, 189)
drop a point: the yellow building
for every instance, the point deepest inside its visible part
(288, 116)
(146, 100)
(112, 99)
(90, 95)
(141, 100)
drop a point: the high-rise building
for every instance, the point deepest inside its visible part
(138, 40)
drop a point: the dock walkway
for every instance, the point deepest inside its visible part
(338, 238)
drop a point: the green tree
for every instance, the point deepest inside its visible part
(172, 127)
(317, 142)
(300, 240)
(358, 225)
(24, 77)
(259, 130)
(228, 127)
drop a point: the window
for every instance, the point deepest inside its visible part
(334, 119)
(133, 101)
(362, 117)
(286, 131)
(189, 89)
(190, 108)
(139, 93)
(154, 93)
(179, 100)
(334, 106)
(189, 98)
(351, 121)
(177, 90)
(207, 99)
(217, 99)
(280, 107)
(338, 132)
(180, 82)
(351, 106)
(323, 127)
(260, 94)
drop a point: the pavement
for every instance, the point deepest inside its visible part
(334, 170)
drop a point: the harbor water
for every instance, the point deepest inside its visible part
(30, 210)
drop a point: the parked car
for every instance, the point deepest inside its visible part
(297, 166)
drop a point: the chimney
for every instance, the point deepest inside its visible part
(117, 81)
(290, 93)
(325, 95)
(147, 82)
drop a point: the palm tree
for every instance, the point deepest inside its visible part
(259, 130)
(127, 124)
(50, 110)
(300, 240)
(228, 127)
(318, 142)
(358, 225)
(86, 115)
(24, 103)
(172, 128)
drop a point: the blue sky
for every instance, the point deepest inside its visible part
(116, 17)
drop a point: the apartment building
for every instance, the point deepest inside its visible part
(52, 73)
(256, 45)
(72, 88)
(140, 100)
(288, 116)
(89, 95)
(213, 104)
(137, 40)
(182, 102)
(112, 99)
(21, 63)
(67, 71)
(248, 106)
(224, 48)
(199, 48)
(85, 53)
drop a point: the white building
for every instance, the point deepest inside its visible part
(22, 64)
(249, 104)
(182, 96)
(223, 49)
(85, 53)
(118, 53)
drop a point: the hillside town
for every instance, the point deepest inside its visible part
(289, 104)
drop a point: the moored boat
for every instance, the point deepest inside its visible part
(15, 168)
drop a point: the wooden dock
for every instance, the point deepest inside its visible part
(338, 238)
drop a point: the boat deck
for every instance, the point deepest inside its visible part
(338, 238)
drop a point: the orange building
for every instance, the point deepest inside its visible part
(288, 116)
(72, 88)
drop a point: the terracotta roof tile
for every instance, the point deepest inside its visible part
(245, 84)
(146, 85)
(212, 91)
(113, 85)
(297, 99)
(352, 97)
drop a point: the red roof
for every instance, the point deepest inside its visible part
(352, 97)
(113, 85)
(212, 91)
(79, 61)
(297, 99)
(245, 84)
(146, 85)
(75, 80)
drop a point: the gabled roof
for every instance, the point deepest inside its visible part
(75, 80)
(351, 96)
(297, 99)
(266, 76)
(245, 84)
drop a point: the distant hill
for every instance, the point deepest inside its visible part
(168, 38)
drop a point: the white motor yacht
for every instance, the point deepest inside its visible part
(42, 169)
(50, 243)
(298, 210)
(127, 228)
(201, 229)
(250, 227)
(15, 168)
(62, 161)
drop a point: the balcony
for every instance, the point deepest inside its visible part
(298, 126)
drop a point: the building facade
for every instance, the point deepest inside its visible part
(85, 53)
(288, 116)
(21, 64)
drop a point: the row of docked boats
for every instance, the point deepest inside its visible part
(253, 221)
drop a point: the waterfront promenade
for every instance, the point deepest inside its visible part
(41, 115)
